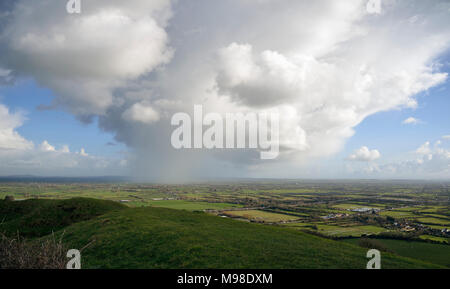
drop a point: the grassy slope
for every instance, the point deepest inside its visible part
(34, 218)
(166, 238)
(435, 253)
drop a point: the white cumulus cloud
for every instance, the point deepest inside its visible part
(20, 156)
(10, 139)
(364, 154)
(412, 120)
(141, 112)
(84, 58)
(325, 65)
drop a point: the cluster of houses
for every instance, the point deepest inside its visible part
(334, 216)
(359, 210)
(407, 227)
(154, 199)
(163, 199)
(364, 210)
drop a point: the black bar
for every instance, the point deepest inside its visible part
(251, 278)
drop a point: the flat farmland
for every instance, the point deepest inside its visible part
(261, 216)
(434, 221)
(398, 214)
(353, 231)
(434, 238)
(189, 206)
(356, 206)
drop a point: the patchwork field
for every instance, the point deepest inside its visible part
(434, 221)
(187, 205)
(356, 206)
(355, 231)
(261, 216)
(418, 212)
(398, 214)
(434, 238)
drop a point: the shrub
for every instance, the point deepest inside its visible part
(372, 244)
(19, 253)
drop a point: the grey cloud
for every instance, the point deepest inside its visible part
(325, 65)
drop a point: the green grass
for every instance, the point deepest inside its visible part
(432, 209)
(262, 216)
(302, 225)
(433, 253)
(438, 227)
(190, 206)
(439, 216)
(34, 218)
(434, 221)
(434, 238)
(355, 206)
(164, 238)
(398, 214)
(408, 209)
(354, 231)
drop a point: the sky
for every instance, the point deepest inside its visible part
(361, 86)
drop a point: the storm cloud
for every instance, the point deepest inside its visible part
(324, 65)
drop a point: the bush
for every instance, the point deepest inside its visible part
(19, 253)
(372, 244)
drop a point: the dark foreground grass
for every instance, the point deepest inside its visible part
(166, 238)
(434, 253)
(35, 217)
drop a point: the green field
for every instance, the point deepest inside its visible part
(408, 209)
(434, 238)
(434, 253)
(433, 209)
(438, 227)
(300, 225)
(356, 206)
(439, 216)
(262, 216)
(398, 214)
(188, 205)
(354, 231)
(434, 221)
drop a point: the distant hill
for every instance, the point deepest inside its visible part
(37, 217)
(39, 179)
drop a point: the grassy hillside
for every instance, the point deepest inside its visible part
(34, 218)
(435, 253)
(166, 238)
